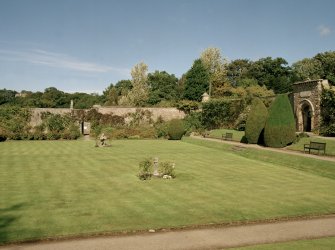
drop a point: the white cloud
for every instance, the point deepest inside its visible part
(59, 61)
(324, 30)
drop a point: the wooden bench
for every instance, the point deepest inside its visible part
(227, 136)
(319, 146)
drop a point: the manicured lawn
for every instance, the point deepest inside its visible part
(330, 147)
(217, 133)
(64, 188)
(318, 244)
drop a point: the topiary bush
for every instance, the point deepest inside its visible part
(279, 129)
(176, 129)
(145, 169)
(256, 121)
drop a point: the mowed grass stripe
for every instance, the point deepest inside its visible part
(71, 188)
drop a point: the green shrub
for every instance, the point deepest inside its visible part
(193, 122)
(280, 125)
(166, 168)
(327, 127)
(256, 121)
(145, 169)
(176, 129)
(219, 113)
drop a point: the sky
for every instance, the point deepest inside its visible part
(85, 45)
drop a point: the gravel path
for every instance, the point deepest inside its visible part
(210, 238)
(280, 150)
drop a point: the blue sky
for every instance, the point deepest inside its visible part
(84, 45)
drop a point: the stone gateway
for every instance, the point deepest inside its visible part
(306, 100)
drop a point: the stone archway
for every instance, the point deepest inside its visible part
(305, 116)
(306, 103)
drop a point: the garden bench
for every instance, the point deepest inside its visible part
(227, 136)
(319, 146)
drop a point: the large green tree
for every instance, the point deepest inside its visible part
(327, 60)
(162, 86)
(274, 73)
(196, 82)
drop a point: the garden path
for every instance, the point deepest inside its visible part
(206, 238)
(280, 150)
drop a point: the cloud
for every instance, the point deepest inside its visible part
(324, 30)
(57, 60)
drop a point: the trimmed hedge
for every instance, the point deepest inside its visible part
(256, 121)
(176, 129)
(280, 129)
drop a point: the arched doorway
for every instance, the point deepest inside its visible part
(306, 117)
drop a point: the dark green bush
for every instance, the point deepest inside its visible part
(145, 169)
(166, 168)
(176, 129)
(279, 129)
(327, 127)
(256, 121)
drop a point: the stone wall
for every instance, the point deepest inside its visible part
(166, 113)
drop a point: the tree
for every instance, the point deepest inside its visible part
(327, 60)
(237, 73)
(138, 95)
(197, 81)
(273, 73)
(308, 68)
(163, 86)
(279, 129)
(216, 66)
(6, 96)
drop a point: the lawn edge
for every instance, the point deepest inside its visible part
(125, 233)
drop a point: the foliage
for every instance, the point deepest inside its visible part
(327, 126)
(145, 169)
(163, 87)
(216, 67)
(166, 168)
(58, 126)
(6, 96)
(327, 60)
(140, 117)
(176, 129)
(193, 122)
(256, 121)
(112, 97)
(219, 113)
(273, 73)
(307, 68)
(196, 82)
(14, 122)
(237, 73)
(187, 106)
(138, 95)
(279, 129)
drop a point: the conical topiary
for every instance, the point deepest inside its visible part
(255, 121)
(279, 129)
